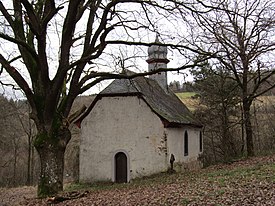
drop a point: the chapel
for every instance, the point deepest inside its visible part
(138, 127)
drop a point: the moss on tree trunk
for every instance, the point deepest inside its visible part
(51, 150)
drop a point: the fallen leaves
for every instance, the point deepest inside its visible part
(67, 196)
(13, 196)
(247, 182)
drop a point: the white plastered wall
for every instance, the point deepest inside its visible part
(175, 143)
(121, 124)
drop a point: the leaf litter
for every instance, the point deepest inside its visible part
(245, 182)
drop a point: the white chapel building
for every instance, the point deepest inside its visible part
(135, 126)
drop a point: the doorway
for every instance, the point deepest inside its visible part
(120, 167)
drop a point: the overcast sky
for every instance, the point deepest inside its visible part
(162, 24)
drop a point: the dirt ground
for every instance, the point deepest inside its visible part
(14, 196)
(246, 182)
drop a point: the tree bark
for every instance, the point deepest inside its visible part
(242, 129)
(248, 129)
(51, 150)
(225, 133)
(29, 175)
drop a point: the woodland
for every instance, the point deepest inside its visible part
(53, 52)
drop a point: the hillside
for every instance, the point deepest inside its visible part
(188, 98)
(245, 182)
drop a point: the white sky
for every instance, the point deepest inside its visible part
(163, 25)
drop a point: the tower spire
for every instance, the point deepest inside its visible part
(157, 59)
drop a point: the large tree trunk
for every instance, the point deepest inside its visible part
(51, 151)
(30, 161)
(226, 147)
(248, 129)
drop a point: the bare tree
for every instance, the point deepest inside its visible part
(219, 97)
(239, 34)
(51, 79)
(22, 114)
(12, 144)
(6, 142)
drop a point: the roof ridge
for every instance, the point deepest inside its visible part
(165, 104)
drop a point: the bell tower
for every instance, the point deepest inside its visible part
(157, 59)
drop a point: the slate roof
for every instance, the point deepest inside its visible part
(165, 104)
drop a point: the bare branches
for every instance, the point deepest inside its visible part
(100, 76)
(6, 14)
(18, 79)
(31, 18)
(106, 24)
(241, 33)
(21, 43)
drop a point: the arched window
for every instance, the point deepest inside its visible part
(201, 141)
(185, 143)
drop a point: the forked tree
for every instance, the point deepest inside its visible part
(53, 59)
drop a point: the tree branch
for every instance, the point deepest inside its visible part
(21, 43)
(18, 79)
(32, 19)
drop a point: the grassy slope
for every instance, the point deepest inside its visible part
(246, 182)
(185, 95)
(186, 98)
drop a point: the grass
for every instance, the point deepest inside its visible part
(237, 183)
(185, 201)
(241, 182)
(185, 95)
(96, 186)
(220, 177)
(225, 177)
(150, 180)
(186, 98)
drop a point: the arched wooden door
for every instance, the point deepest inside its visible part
(120, 167)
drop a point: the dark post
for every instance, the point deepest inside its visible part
(172, 160)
